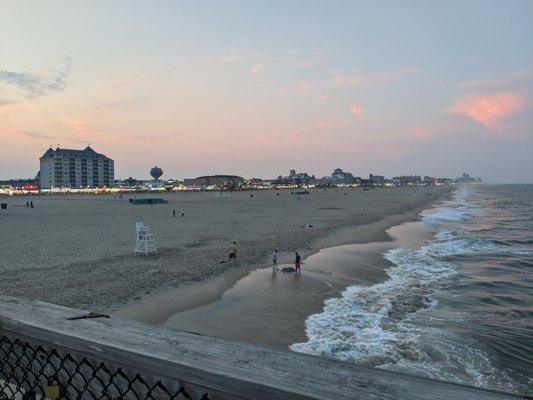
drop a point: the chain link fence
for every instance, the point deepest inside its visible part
(36, 372)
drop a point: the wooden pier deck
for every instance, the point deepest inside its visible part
(202, 365)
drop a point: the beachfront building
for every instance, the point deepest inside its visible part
(338, 177)
(68, 168)
(444, 182)
(466, 178)
(429, 180)
(215, 182)
(341, 177)
(295, 178)
(376, 180)
(407, 180)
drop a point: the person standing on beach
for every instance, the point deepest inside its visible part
(232, 257)
(297, 260)
(174, 213)
(275, 261)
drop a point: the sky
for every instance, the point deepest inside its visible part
(256, 88)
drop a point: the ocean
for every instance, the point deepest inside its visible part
(459, 308)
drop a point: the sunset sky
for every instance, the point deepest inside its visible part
(258, 88)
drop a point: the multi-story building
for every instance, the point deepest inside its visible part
(377, 179)
(342, 177)
(295, 178)
(407, 180)
(69, 168)
(218, 181)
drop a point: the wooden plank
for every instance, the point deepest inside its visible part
(225, 369)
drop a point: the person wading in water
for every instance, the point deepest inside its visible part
(275, 261)
(297, 260)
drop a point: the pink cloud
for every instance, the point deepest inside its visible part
(356, 110)
(487, 109)
(77, 125)
(355, 78)
(311, 130)
(316, 58)
(293, 53)
(257, 68)
(323, 97)
(238, 57)
(419, 132)
(306, 85)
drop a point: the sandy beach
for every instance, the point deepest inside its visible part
(270, 308)
(78, 250)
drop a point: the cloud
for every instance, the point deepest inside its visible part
(293, 53)
(317, 128)
(316, 58)
(77, 125)
(323, 97)
(84, 130)
(519, 78)
(356, 78)
(238, 57)
(35, 85)
(6, 102)
(487, 109)
(419, 132)
(44, 135)
(257, 68)
(307, 85)
(38, 135)
(356, 110)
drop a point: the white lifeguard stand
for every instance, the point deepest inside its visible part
(145, 241)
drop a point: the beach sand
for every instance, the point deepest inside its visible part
(270, 308)
(78, 250)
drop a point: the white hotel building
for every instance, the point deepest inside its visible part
(75, 169)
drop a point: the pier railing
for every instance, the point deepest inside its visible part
(45, 354)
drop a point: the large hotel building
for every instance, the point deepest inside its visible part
(75, 169)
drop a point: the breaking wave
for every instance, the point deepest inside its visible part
(400, 325)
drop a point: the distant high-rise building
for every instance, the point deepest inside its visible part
(377, 179)
(75, 169)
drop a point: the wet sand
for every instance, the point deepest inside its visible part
(270, 308)
(78, 250)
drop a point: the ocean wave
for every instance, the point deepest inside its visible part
(398, 324)
(395, 324)
(418, 321)
(447, 214)
(363, 324)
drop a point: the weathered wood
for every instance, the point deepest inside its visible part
(225, 369)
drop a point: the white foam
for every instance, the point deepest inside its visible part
(446, 214)
(395, 324)
(362, 323)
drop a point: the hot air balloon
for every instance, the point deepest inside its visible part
(156, 173)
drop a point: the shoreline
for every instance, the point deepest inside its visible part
(189, 304)
(85, 258)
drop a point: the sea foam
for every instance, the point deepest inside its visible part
(397, 324)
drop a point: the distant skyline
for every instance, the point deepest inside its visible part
(258, 88)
